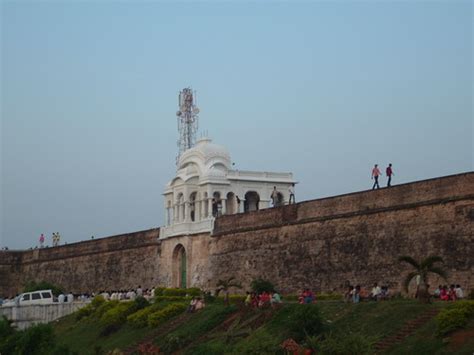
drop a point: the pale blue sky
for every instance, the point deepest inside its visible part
(322, 89)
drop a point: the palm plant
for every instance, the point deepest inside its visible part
(225, 285)
(422, 269)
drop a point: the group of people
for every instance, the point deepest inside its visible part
(376, 173)
(130, 294)
(355, 294)
(306, 297)
(56, 238)
(451, 293)
(263, 299)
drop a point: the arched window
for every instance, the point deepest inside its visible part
(252, 201)
(216, 204)
(231, 204)
(192, 206)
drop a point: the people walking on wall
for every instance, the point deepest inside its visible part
(389, 173)
(41, 240)
(291, 191)
(375, 176)
(274, 196)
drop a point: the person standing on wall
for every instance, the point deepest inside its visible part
(389, 173)
(291, 190)
(274, 196)
(375, 176)
(41, 240)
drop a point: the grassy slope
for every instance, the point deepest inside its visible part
(83, 336)
(199, 335)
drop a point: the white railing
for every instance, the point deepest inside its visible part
(183, 228)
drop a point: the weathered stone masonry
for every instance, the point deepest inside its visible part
(321, 244)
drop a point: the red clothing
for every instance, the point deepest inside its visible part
(389, 171)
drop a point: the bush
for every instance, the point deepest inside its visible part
(38, 339)
(113, 318)
(235, 299)
(171, 298)
(180, 292)
(262, 342)
(454, 317)
(330, 296)
(305, 320)
(341, 344)
(166, 313)
(260, 285)
(42, 285)
(139, 319)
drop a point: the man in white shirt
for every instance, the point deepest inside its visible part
(459, 292)
(376, 291)
(70, 298)
(291, 191)
(61, 298)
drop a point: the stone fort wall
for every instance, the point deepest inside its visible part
(117, 262)
(323, 244)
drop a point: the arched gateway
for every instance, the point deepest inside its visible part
(179, 271)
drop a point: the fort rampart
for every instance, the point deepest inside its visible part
(323, 244)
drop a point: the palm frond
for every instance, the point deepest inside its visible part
(429, 261)
(408, 278)
(438, 271)
(409, 260)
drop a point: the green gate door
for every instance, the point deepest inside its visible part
(183, 269)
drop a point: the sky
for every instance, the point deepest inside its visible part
(322, 89)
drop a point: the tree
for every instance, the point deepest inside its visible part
(225, 285)
(421, 272)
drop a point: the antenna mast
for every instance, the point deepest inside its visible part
(187, 116)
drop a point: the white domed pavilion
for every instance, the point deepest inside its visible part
(206, 186)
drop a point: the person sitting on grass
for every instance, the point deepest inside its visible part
(375, 293)
(199, 304)
(356, 294)
(248, 299)
(308, 296)
(264, 299)
(452, 293)
(192, 306)
(443, 295)
(276, 299)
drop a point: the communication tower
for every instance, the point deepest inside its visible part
(187, 116)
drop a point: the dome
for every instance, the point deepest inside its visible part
(206, 154)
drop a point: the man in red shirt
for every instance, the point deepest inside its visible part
(389, 173)
(375, 176)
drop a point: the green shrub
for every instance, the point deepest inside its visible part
(113, 318)
(84, 312)
(341, 344)
(38, 339)
(330, 296)
(262, 342)
(42, 285)
(139, 318)
(455, 316)
(104, 307)
(166, 313)
(175, 292)
(235, 299)
(171, 298)
(159, 291)
(305, 320)
(139, 303)
(260, 285)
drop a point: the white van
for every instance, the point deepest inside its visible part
(36, 297)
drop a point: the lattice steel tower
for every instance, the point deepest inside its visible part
(187, 116)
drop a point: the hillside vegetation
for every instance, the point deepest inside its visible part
(328, 327)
